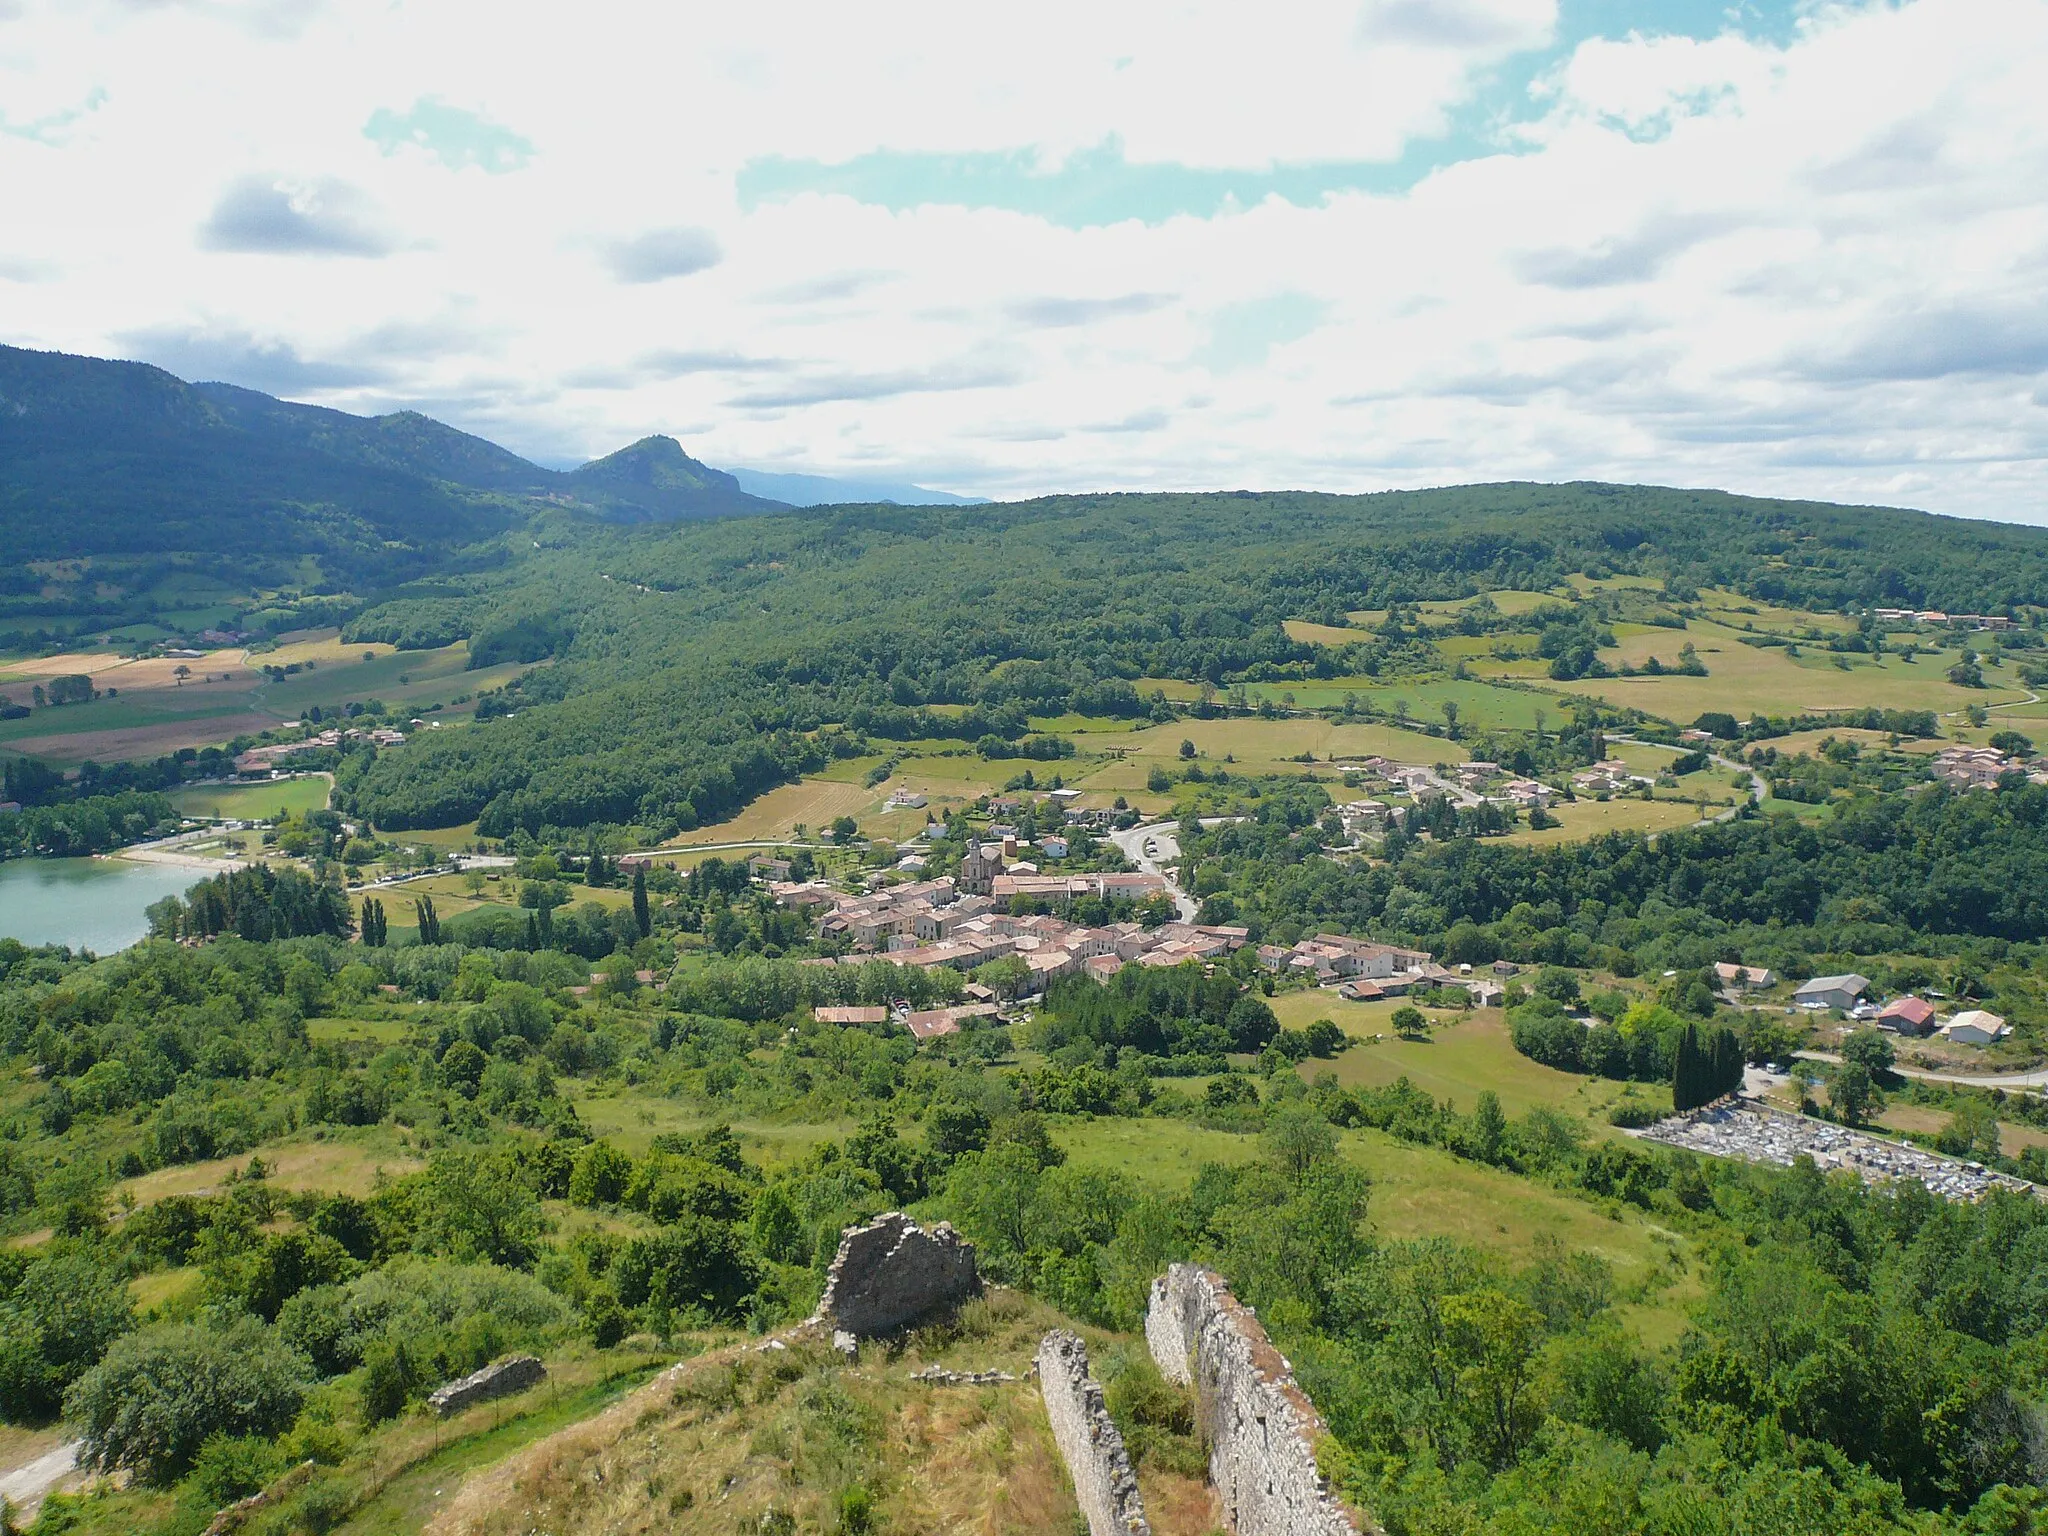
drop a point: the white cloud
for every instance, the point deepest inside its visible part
(1808, 268)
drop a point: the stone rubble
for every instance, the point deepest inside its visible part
(1742, 1128)
(939, 1376)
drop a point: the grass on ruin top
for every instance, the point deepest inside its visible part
(740, 1433)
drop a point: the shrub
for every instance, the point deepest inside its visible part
(60, 1319)
(162, 1393)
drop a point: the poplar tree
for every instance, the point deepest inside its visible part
(641, 915)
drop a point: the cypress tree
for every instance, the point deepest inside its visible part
(641, 915)
(1689, 1085)
(532, 933)
(1727, 1062)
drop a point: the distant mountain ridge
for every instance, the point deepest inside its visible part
(827, 490)
(100, 457)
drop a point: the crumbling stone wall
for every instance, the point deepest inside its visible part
(501, 1380)
(1104, 1484)
(1259, 1425)
(892, 1272)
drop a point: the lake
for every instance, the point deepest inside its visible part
(96, 904)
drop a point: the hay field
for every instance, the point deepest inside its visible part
(814, 802)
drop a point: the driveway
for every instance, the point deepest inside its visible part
(23, 1487)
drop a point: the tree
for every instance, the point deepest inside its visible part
(428, 920)
(56, 1324)
(643, 918)
(478, 1208)
(1492, 1341)
(1408, 1021)
(1870, 1049)
(600, 1175)
(1187, 749)
(1852, 1094)
(1486, 1131)
(1297, 1139)
(164, 1392)
(181, 672)
(374, 925)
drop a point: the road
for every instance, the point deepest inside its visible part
(1149, 848)
(2009, 1081)
(1757, 787)
(22, 1489)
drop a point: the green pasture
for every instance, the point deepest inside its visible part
(1426, 1192)
(254, 802)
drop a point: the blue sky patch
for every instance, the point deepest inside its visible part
(452, 135)
(1098, 185)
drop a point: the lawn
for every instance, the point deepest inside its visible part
(254, 802)
(2012, 1139)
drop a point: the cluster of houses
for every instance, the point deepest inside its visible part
(1478, 779)
(262, 761)
(944, 922)
(1364, 971)
(1909, 1015)
(1983, 767)
(1951, 620)
(1610, 777)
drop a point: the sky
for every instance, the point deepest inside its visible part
(1779, 246)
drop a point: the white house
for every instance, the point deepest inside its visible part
(1975, 1026)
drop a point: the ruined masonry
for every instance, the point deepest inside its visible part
(1260, 1426)
(892, 1272)
(1104, 1484)
(501, 1380)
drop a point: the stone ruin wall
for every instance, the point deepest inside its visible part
(1259, 1425)
(1104, 1484)
(892, 1272)
(506, 1377)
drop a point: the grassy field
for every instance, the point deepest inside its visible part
(1589, 818)
(254, 802)
(631, 1119)
(1420, 1192)
(813, 803)
(1466, 1054)
(2012, 1139)
(380, 1031)
(335, 1166)
(1744, 679)
(225, 693)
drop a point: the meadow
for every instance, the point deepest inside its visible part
(254, 802)
(1426, 1192)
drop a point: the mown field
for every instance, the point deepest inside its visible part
(254, 802)
(225, 693)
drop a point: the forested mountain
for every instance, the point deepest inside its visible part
(759, 630)
(116, 458)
